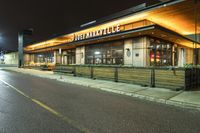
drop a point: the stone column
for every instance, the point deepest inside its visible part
(80, 55)
(54, 56)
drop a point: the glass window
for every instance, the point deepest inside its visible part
(160, 53)
(47, 57)
(71, 56)
(105, 53)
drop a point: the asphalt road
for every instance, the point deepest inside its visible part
(36, 105)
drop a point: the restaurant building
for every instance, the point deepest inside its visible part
(142, 36)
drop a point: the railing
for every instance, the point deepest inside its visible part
(172, 78)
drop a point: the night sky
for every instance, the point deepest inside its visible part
(51, 17)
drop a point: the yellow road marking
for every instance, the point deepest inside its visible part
(66, 119)
(46, 107)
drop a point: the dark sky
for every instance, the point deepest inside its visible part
(51, 17)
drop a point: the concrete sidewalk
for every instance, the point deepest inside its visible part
(185, 99)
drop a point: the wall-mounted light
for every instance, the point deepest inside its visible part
(128, 52)
(97, 52)
(40, 55)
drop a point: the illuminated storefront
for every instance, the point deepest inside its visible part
(105, 53)
(144, 37)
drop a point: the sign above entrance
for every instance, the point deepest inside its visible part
(97, 33)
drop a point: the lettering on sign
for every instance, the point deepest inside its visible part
(96, 33)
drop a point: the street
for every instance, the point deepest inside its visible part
(31, 104)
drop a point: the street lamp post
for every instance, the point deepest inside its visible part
(20, 49)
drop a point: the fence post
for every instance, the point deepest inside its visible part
(74, 71)
(185, 79)
(116, 74)
(191, 78)
(198, 77)
(91, 72)
(152, 77)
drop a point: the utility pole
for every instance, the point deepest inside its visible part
(20, 49)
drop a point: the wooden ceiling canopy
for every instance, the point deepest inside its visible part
(179, 17)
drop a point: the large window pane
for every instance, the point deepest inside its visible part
(105, 53)
(160, 53)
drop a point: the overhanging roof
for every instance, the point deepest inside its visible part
(177, 15)
(151, 31)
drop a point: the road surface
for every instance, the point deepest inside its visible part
(31, 104)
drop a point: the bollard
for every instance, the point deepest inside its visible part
(152, 77)
(91, 72)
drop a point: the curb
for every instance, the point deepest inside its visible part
(183, 104)
(158, 100)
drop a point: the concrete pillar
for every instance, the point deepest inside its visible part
(140, 52)
(181, 57)
(136, 52)
(147, 51)
(173, 55)
(128, 56)
(80, 55)
(58, 58)
(64, 59)
(20, 49)
(54, 57)
(189, 58)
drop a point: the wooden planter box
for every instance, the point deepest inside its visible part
(175, 78)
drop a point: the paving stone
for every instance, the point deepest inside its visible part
(188, 97)
(159, 93)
